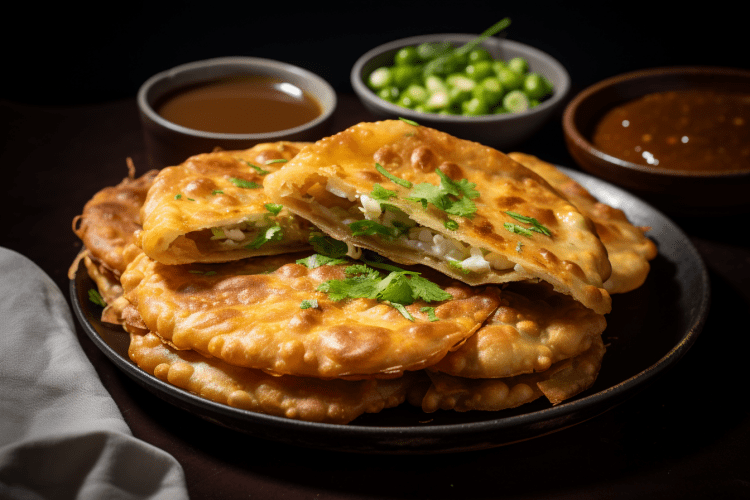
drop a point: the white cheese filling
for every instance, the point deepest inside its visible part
(426, 240)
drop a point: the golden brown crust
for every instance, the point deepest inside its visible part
(628, 247)
(314, 400)
(188, 200)
(335, 172)
(232, 312)
(110, 219)
(532, 328)
(562, 381)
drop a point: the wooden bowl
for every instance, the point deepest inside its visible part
(680, 192)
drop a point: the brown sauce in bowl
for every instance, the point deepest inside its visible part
(239, 105)
(687, 130)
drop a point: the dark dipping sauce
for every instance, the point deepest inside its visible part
(239, 105)
(687, 130)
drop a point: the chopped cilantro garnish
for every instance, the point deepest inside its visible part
(273, 233)
(396, 180)
(274, 208)
(382, 194)
(278, 160)
(450, 224)
(328, 246)
(399, 287)
(410, 122)
(515, 228)
(458, 267)
(96, 298)
(309, 304)
(217, 191)
(317, 260)
(242, 183)
(368, 227)
(256, 167)
(400, 308)
(536, 225)
(430, 313)
(177, 196)
(452, 197)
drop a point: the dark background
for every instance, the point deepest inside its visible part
(63, 54)
(68, 120)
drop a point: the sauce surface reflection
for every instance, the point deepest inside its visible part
(693, 130)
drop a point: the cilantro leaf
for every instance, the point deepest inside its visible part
(430, 313)
(395, 288)
(427, 290)
(458, 267)
(515, 228)
(368, 227)
(536, 225)
(317, 260)
(309, 304)
(242, 183)
(328, 246)
(400, 308)
(96, 298)
(273, 233)
(380, 193)
(274, 208)
(256, 167)
(397, 180)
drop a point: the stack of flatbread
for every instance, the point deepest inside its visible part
(388, 263)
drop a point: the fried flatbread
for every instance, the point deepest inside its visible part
(532, 328)
(110, 219)
(213, 208)
(560, 382)
(628, 247)
(267, 313)
(309, 399)
(409, 192)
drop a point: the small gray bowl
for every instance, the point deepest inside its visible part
(498, 131)
(170, 144)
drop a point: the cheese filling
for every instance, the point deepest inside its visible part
(409, 233)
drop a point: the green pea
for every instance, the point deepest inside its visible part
(535, 86)
(457, 95)
(380, 78)
(404, 75)
(437, 100)
(516, 101)
(417, 93)
(406, 56)
(389, 93)
(510, 79)
(474, 107)
(479, 70)
(519, 65)
(433, 83)
(490, 90)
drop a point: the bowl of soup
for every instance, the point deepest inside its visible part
(231, 103)
(679, 137)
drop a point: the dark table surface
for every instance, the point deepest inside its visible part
(686, 435)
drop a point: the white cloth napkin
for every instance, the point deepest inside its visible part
(61, 434)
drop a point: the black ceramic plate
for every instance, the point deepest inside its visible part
(648, 331)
